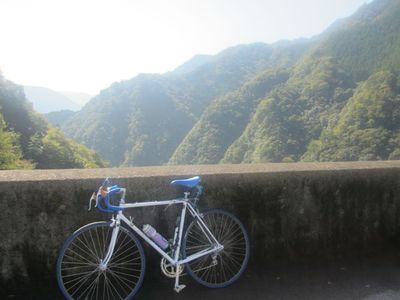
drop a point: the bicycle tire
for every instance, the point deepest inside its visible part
(78, 266)
(231, 261)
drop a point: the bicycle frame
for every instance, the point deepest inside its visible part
(175, 261)
(106, 259)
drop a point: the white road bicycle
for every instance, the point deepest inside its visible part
(105, 260)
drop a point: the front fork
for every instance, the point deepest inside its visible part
(104, 262)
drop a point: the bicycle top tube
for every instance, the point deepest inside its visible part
(103, 197)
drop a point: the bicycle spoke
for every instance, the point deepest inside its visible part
(80, 271)
(123, 279)
(120, 243)
(119, 280)
(221, 267)
(118, 257)
(81, 282)
(114, 289)
(76, 253)
(89, 287)
(93, 243)
(78, 279)
(85, 245)
(127, 262)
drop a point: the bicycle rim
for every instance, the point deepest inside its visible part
(223, 268)
(78, 267)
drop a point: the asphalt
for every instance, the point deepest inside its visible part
(367, 279)
(364, 279)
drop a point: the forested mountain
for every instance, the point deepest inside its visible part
(367, 42)
(58, 118)
(28, 141)
(10, 150)
(293, 114)
(333, 97)
(193, 63)
(294, 122)
(142, 121)
(368, 127)
(224, 120)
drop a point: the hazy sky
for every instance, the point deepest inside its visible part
(84, 45)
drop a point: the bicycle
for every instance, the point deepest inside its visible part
(105, 260)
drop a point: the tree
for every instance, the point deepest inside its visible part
(10, 151)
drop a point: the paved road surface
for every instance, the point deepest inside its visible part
(370, 279)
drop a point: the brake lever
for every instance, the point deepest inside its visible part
(93, 198)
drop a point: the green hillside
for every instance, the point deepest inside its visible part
(28, 141)
(289, 101)
(224, 120)
(368, 127)
(367, 42)
(142, 121)
(136, 122)
(296, 120)
(292, 114)
(10, 149)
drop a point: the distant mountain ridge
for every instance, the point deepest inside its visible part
(289, 101)
(46, 100)
(78, 98)
(145, 119)
(27, 141)
(58, 118)
(193, 63)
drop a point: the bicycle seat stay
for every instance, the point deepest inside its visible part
(107, 260)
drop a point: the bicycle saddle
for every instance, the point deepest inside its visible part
(190, 182)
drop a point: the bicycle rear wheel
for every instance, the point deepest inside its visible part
(78, 266)
(220, 269)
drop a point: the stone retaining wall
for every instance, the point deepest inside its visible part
(292, 211)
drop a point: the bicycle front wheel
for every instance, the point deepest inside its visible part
(80, 275)
(222, 268)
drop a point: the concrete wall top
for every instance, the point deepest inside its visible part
(188, 170)
(293, 212)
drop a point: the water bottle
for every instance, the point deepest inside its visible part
(155, 236)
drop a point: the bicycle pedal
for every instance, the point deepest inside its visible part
(179, 288)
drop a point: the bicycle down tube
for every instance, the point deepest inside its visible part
(105, 259)
(175, 260)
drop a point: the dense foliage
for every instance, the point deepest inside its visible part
(142, 121)
(313, 116)
(367, 42)
(224, 120)
(292, 114)
(368, 127)
(333, 97)
(28, 141)
(10, 150)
